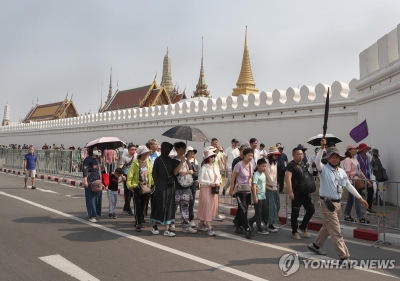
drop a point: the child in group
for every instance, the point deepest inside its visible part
(112, 191)
(258, 188)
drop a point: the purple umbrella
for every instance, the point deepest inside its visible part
(106, 143)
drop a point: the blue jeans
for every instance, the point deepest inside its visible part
(93, 202)
(349, 206)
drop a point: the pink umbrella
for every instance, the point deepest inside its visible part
(106, 143)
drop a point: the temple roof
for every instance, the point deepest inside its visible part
(145, 96)
(51, 111)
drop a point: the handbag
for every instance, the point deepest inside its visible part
(97, 185)
(170, 179)
(384, 175)
(245, 187)
(144, 188)
(186, 180)
(105, 178)
(359, 184)
(215, 190)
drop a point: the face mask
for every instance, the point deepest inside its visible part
(31, 151)
(95, 152)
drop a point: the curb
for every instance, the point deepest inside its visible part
(315, 225)
(58, 179)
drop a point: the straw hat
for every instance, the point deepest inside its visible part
(273, 150)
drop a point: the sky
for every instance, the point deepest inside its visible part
(51, 48)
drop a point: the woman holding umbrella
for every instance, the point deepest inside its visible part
(91, 173)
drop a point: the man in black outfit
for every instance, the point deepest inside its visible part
(281, 161)
(294, 179)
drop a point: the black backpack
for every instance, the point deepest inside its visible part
(307, 185)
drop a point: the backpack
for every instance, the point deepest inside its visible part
(307, 185)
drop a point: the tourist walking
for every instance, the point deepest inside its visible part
(377, 170)
(163, 205)
(242, 175)
(209, 181)
(30, 162)
(112, 191)
(194, 166)
(282, 162)
(271, 193)
(258, 190)
(92, 173)
(125, 164)
(183, 181)
(295, 174)
(333, 179)
(230, 153)
(365, 165)
(352, 169)
(140, 176)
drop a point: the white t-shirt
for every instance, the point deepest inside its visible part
(256, 156)
(231, 154)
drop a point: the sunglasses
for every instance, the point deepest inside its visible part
(212, 156)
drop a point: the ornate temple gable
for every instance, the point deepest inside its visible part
(51, 111)
(157, 97)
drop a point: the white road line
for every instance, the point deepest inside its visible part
(146, 242)
(46, 190)
(68, 267)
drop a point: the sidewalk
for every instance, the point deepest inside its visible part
(228, 206)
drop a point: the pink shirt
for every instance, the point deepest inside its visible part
(351, 166)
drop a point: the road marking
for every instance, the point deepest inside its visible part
(307, 255)
(68, 267)
(46, 190)
(146, 242)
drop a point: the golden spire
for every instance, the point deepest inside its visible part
(245, 84)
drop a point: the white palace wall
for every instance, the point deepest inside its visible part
(290, 117)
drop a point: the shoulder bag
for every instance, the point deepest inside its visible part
(186, 180)
(127, 166)
(214, 189)
(245, 187)
(97, 185)
(170, 179)
(307, 185)
(144, 188)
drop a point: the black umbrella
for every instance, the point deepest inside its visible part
(186, 133)
(326, 114)
(316, 140)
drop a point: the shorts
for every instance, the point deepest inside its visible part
(30, 173)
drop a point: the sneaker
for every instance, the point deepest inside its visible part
(211, 232)
(249, 234)
(154, 230)
(364, 221)
(219, 218)
(172, 227)
(33, 187)
(110, 215)
(188, 229)
(349, 218)
(370, 212)
(296, 236)
(201, 227)
(305, 232)
(138, 228)
(272, 229)
(92, 220)
(130, 213)
(169, 233)
(114, 216)
(192, 224)
(312, 248)
(347, 263)
(240, 230)
(263, 232)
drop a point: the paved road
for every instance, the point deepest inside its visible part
(41, 227)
